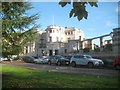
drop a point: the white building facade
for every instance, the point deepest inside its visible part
(57, 40)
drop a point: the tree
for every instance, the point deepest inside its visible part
(18, 28)
(79, 8)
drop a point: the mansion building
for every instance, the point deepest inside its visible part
(55, 40)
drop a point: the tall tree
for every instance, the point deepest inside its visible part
(79, 7)
(18, 28)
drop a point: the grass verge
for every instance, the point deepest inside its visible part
(16, 77)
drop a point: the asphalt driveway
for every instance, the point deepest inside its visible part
(66, 69)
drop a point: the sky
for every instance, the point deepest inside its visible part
(101, 20)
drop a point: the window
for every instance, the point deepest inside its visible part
(56, 52)
(50, 31)
(78, 56)
(65, 50)
(65, 33)
(50, 39)
(68, 38)
(68, 33)
(80, 38)
(87, 56)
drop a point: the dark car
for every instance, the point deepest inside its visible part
(58, 60)
(68, 57)
(117, 62)
(28, 59)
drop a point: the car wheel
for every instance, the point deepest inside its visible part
(117, 67)
(35, 62)
(90, 64)
(58, 63)
(73, 64)
(41, 62)
(49, 62)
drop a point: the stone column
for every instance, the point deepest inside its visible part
(24, 51)
(102, 41)
(28, 49)
(90, 44)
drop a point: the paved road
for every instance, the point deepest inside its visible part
(67, 69)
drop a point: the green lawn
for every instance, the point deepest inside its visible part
(28, 78)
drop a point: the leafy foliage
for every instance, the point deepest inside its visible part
(79, 8)
(18, 28)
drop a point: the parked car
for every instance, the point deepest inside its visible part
(68, 57)
(117, 62)
(28, 59)
(37, 59)
(41, 59)
(58, 60)
(3, 59)
(85, 60)
(45, 59)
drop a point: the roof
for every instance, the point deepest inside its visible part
(116, 28)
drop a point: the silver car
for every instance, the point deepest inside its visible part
(41, 60)
(85, 60)
(58, 60)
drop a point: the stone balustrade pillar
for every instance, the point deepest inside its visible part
(102, 41)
